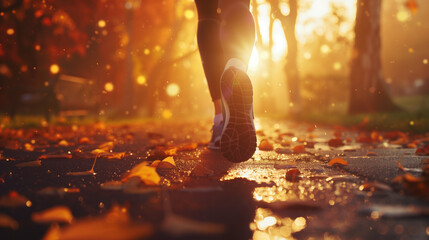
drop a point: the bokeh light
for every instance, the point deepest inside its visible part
(141, 80)
(173, 89)
(55, 69)
(10, 31)
(167, 114)
(101, 23)
(109, 87)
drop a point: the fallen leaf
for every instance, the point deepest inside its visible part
(58, 214)
(335, 142)
(112, 185)
(13, 200)
(299, 149)
(167, 163)
(84, 140)
(147, 174)
(155, 163)
(265, 145)
(424, 151)
(63, 143)
(283, 151)
(178, 226)
(417, 170)
(36, 163)
(338, 161)
(187, 147)
(113, 155)
(28, 147)
(8, 222)
(116, 224)
(84, 173)
(371, 154)
(293, 175)
(55, 156)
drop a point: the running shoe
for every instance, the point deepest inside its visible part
(238, 139)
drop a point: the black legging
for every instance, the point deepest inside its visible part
(226, 29)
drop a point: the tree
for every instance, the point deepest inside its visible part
(291, 67)
(368, 91)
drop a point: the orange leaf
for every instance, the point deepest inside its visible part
(63, 143)
(371, 154)
(400, 165)
(412, 6)
(299, 149)
(167, 163)
(59, 214)
(335, 142)
(147, 174)
(188, 147)
(29, 147)
(84, 140)
(265, 145)
(339, 161)
(293, 174)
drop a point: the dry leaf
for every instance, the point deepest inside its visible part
(54, 156)
(58, 214)
(293, 175)
(155, 163)
(114, 225)
(299, 149)
(107, 146)
(36, 163)
(188, 147)
(13, 199)
(265, 145)
(342, 178)
(63, 143)
(283, 151)
(338, 161)
(84, 140)
(336, 142)
(178, 226)
(84, 173)
(423, 151)
(28, 147)
(147, 174)
(8, 222)
(112, 185)
(167, 163)
(371, 154)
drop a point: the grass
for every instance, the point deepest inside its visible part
(414, 118)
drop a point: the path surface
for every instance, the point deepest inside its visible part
(203, 196)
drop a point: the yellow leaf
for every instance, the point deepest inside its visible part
(29, 147)
(339, 161)
(265, 145)
(116, 224)
(36, 163)
(58, 214)
(63, 143)
(155, 163)
(147, 174)
(167, 163)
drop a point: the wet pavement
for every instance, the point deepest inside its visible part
(79, 182)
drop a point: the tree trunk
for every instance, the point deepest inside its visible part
(291, 67)
(368, 92)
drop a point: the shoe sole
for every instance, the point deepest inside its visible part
(238, 142)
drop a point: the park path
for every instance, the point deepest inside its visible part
(157, 180)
